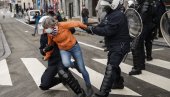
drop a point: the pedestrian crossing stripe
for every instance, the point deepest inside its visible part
(154, 79)
(36, 69)
(160, 63)
(5, 78)
(97, 78)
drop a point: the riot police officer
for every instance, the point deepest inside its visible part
(114, 28)
(145, 9)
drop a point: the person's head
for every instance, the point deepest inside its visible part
(83, 6)
(48, 24)
(110, 4)
(51, 13)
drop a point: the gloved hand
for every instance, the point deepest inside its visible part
(48, 48)
(89, 30)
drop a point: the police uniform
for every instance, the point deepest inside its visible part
(114, 28)
(147, 12)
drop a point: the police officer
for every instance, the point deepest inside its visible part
(114, 28)
(145, 9)
(55, 67)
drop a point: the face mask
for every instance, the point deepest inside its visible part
(49, 30)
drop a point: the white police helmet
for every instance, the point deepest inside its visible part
(130, 2)
(112, 3)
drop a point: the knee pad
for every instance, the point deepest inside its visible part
(111, 74)
(70, 80)
(63, 74)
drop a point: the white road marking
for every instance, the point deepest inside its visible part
(25, 23)
(5, 78)
(36, 69)
(97, 78)
(154, 79)
(91, 46)
(160, 63)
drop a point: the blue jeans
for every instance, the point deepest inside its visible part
(85, 20)
(76, 53)
(36, 29)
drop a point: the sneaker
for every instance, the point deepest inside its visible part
(89, 90)
(119, 84)
(135, 72)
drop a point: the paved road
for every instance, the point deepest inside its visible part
(20, 73)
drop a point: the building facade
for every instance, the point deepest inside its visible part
(72, 8)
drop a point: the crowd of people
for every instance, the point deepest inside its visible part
(58, 45)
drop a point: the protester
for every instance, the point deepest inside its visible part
(59, 33)
(55, 67)
(37, 18)
(85, 14)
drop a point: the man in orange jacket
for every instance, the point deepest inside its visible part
(59, 33)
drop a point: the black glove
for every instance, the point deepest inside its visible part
(42, 52)
(89, 30)
(48, 48)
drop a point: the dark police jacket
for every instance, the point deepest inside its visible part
(114, 27)
(55, 57)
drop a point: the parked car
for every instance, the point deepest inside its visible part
(29, 18)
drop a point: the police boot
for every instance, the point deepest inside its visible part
(100, 94)
(89, 90)
(135, 71)
(71, 82)
(82, 94)
(149, 58)
(109, 77)
(118, 84)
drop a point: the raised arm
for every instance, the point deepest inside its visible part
(71, 24)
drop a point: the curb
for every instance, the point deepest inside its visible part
(6, 50)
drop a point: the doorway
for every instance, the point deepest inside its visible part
(94, 3)
(70, 10)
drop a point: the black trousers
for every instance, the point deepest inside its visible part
(139, 51)
(113, 71)
(48, 78)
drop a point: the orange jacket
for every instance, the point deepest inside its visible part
(64, 38)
